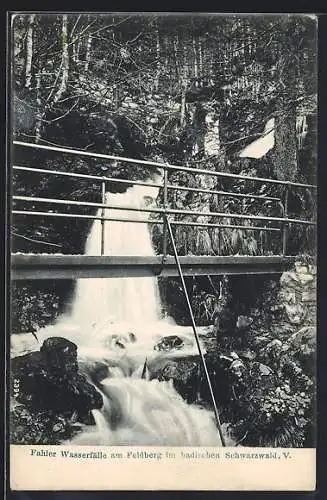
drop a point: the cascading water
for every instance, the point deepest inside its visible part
(135, 411)
(123, 302)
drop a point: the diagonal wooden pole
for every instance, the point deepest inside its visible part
(204, 365)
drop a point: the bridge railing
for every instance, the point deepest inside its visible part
(284, 220)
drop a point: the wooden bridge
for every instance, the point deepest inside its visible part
(59, 266)
(40, 266)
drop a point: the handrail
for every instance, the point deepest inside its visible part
(85, 176)
(141, 183)
(162, 165)
(224, 193)
(143, 221)
(284, 221)
(163, 210)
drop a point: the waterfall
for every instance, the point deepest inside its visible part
(129, 303)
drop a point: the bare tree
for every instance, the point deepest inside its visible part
(64, 59)
(158, 54)
(88, 52)
(29, 51)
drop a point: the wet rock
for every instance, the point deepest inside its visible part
(168, 343)
(49, 380)
(95, 370)
(231, 363)
(60, 355)
(120, 341)
(132, 337)
(185, 377)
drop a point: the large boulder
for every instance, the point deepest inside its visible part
(60, 355)
(50, 380)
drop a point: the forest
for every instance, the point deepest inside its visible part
(192, 90)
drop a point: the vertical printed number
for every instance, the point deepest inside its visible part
(16, 387)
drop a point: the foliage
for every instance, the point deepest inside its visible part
(273, 410)
(36, 304)
(41, 427)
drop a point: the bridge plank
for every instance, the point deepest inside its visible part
(53, 266)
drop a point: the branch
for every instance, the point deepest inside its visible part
(82, 32)
(134, 123)
(254, 136)
(135, 38)
(36, 241)
(74, 27)
(80, 35)
(164, 126)
(240, 441)
(65, 114)
(47, 142)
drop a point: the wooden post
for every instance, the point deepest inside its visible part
(285, 228)
(103, 189)
(164, 236)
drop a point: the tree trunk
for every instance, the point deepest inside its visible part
(200, 49)
(196, 73)
(184, 85)
(78, 48)
(285, 152)
(183, 102)
(64, 60)
(158, 53)
(176, 61)
(88, 53)
(38, 104)
(29, 51)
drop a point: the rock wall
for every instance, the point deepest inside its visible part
(297, 295)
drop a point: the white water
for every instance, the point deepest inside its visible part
(104, 315)
(123, 302)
